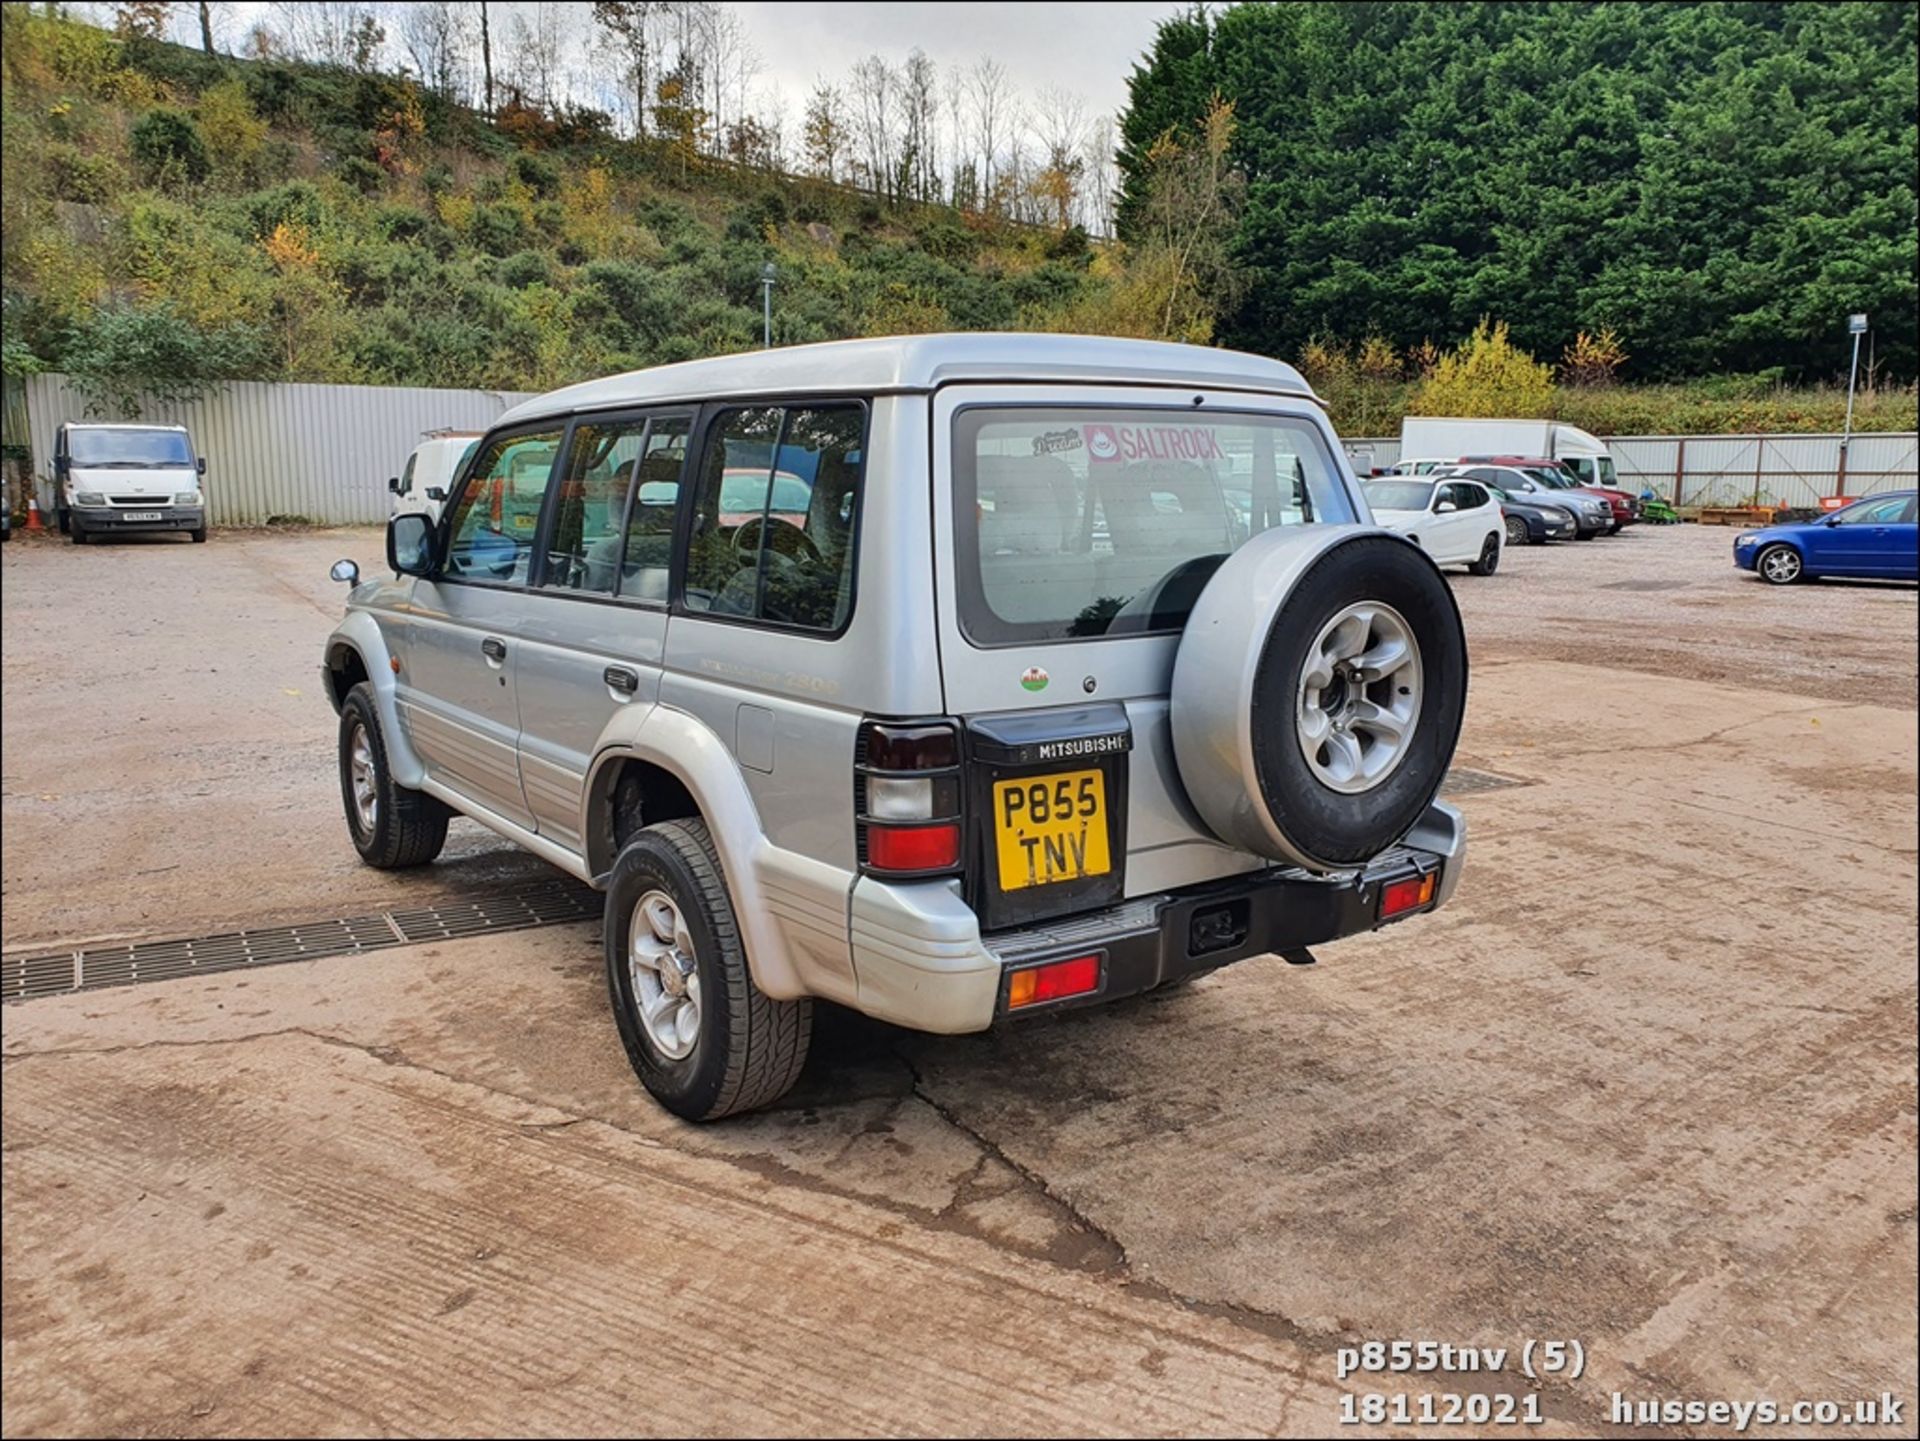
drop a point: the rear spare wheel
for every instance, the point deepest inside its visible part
(1317, 694)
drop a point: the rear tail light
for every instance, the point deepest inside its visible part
(1400, 897)
(907, 812)
(1055, 981)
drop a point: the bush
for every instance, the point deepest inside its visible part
(126, 355)
(1487, 375)
(168, 148)
(362, 175)
(539, 175)
(528, 267)
(401, 222)
(437, 179)
(297, 203)
(233, 132)
(78, 176)
(498, 229)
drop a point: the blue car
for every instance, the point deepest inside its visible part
(1875, 538)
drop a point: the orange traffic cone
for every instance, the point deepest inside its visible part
(33, 515)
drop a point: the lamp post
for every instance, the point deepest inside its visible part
(768, 274)
(1856, 326)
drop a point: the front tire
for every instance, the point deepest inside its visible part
(199, 536)
(703, 1039)
(1489, 560)
(1779, 565)
(75, 534)
(66, 520)
(392, 827)
(1516, 530)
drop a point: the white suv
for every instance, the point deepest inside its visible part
(953, 678)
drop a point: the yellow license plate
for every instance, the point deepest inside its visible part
(1049, 829)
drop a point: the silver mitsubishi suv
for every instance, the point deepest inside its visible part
(951, 678)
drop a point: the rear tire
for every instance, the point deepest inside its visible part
(672, 941)
(393, 828)
(1489, 560)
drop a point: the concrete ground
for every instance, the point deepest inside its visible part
(1648, 1084)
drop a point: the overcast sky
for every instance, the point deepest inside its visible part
(1086, 50)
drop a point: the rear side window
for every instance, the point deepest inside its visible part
(491, 533)
(774, 515)
(1077, 523)
(584, 553)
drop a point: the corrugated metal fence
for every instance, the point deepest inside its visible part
(1776, 470)
(319, 451)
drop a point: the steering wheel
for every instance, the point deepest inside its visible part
(785, 542)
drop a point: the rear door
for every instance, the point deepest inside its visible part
(594, 629)
(1875, 537)
(1072, 531)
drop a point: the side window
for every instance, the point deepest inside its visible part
(775, 514)
(1475, 495)
(491, 534)
(1875, 512)
(406, 476)
(583, 553)
(1485, 474)
(647, 560)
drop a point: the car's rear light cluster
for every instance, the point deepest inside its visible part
(1054, 981)
(907, 797)
(1400, 898)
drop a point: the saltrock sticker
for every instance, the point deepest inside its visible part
(1153, 442)
(1034, 678)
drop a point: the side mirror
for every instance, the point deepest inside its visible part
(346, 572)
(1833, 520)
(393, 484)
(61, 465)
(200, 466)
(1444, 507)
(436, 492)
(410, 544)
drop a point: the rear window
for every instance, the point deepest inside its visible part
(87, 448)
(1397, 494)
(1087, 522)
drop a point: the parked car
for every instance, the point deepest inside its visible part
(429, 473)
(1532, 521)
(829, 758)
(1585, 457)
(1625, 506)
(128, 478)
(1423, 466)
(1875, 538)
(1593, 514)
(1455, 520)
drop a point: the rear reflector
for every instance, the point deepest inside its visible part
(913, 848)
(1408, 895)
(1054, 981)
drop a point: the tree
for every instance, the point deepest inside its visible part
(874, 84)
(825, 134)
(206, 26)
(125, 356)
(1487, 375)
(142, 19)
(1188, 213)
(678, 116)
(631, 23)
(430, 32)
(992, 102)
(486, 55)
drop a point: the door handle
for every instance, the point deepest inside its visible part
(619, 678)
(493, 649)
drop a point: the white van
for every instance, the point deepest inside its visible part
(1583, 454)
(430, 470)
(117, 478)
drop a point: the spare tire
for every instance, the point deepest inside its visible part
(1318, 693)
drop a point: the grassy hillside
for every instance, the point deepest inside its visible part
(172, 218)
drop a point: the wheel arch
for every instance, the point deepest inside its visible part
(356, 652)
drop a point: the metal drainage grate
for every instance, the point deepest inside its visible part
(1462, 782)
(53, 973)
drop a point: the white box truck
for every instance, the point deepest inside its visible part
(1441, 440)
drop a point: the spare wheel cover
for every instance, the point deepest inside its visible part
(1317, 694)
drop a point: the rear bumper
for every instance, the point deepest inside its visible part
(97, 520)
(919, 959)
